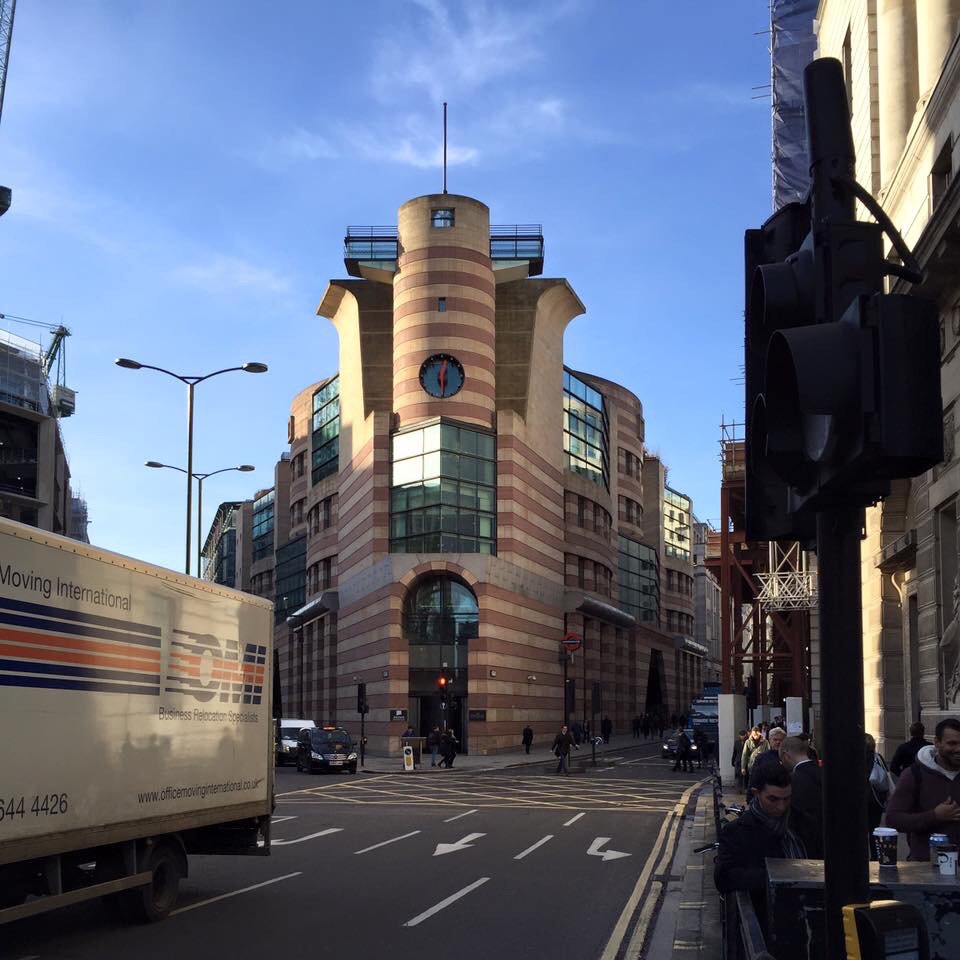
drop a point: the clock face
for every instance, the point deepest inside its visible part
(441, 375)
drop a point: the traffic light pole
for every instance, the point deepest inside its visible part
(845, 841)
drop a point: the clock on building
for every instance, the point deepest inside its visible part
(441, 375)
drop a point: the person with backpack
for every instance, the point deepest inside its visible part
(879, 786)
(927, 796)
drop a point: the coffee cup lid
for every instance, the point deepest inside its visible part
(884, 832)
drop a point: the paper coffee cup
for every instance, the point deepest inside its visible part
(947, 860)
(885, 845)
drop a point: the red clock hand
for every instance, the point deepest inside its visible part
(442, 377)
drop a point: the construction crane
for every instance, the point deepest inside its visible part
(63, 399)
(8, 9)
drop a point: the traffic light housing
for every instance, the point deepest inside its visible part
(842, 380)
(362, 705)
(443, 685)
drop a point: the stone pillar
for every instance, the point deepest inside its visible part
(444, 298)
(732, 708)
(897, 75)
(936, 28)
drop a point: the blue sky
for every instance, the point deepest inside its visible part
(182, 174)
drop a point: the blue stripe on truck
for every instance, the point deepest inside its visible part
(32, 666)
(60, 614)
(77, 629)
(58, 683)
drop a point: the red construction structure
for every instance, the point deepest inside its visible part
(766, 595)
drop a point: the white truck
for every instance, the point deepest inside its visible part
(135, 726)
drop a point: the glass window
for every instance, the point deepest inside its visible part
(441, 304)
(585, 436)
(442, 218)
(291, 578)
(638, 580)
(326, 431)
(443, 498)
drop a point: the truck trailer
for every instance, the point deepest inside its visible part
(135, 726)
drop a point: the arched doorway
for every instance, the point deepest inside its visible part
(440, 617)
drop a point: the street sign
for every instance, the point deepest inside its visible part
(398, 715)
(477, 716)
(572, 642)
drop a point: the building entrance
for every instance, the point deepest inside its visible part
(430, 712)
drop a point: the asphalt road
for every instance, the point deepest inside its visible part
(518, 863)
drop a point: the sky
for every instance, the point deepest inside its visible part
(183, 174)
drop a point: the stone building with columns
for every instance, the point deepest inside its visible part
(902, 64)
(456, 502)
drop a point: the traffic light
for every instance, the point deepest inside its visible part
(443, 684)
(362, 705)
(842, 380)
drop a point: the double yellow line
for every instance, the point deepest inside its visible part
(655, 865)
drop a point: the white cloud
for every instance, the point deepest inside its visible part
(223, 274)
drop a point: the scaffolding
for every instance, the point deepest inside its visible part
(766, 594)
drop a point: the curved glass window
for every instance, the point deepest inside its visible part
(440, 617)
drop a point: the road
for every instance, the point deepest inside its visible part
(515, 864)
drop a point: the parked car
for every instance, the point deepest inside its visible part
(328, 748)
(669, 750)
(287, 739)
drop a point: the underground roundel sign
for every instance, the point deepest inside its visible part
(571, 642)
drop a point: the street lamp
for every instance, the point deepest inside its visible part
(191, 382)
(243, 468)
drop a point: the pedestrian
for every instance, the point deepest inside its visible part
(562, 744)
(645, 725)
(606, 729)
(660, 727)
(698, 739)
(878, 787)
(806, 804)
(762, 831)
(736, 758)
(433, 743)
(754, 745)
(907, 752)
(527, 737)
(576, 731)
(585, 729)
(637, 724)
(766, 759)
(683, 760)
(927, 797)
(448, 749)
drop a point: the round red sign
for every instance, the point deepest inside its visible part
(572, 642)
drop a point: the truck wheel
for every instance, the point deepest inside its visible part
(155, 901)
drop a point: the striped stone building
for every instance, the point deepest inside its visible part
(460, 502)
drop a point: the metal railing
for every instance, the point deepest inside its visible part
(523, 241)
(752, 943)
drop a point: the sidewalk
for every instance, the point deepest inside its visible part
(689, 918)
(581, 759)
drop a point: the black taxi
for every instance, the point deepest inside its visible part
(327, 748)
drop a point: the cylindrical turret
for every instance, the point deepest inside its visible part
(444, 295)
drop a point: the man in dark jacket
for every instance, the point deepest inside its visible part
(907, 752)
(448, 749)
(606, 729)
(927, 797)
(527, 737)
(806, 804)
(768, 759)
(684, 758)
(563, 743)
(762, 831)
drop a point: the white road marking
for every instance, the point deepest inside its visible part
(613, 758)
(539, 843)
(463, 844)
(225, 896)
(459, 815)
(595, 850)
(309, 836)
(427, 914)
(281, 819)
(386, 842)
(573, 820)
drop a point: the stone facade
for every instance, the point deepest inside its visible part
(902, 59)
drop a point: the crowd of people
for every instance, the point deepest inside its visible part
(918, 794)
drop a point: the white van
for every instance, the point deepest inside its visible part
(287, 739)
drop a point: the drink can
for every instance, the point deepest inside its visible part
(937, 840)
(947, 859)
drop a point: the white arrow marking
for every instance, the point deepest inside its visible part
(595, 850)
(309, 836)
(463, 844)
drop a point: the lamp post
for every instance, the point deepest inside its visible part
(200, 477)
(191, 382)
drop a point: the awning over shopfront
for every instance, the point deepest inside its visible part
(577, 602)
(328, 601)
